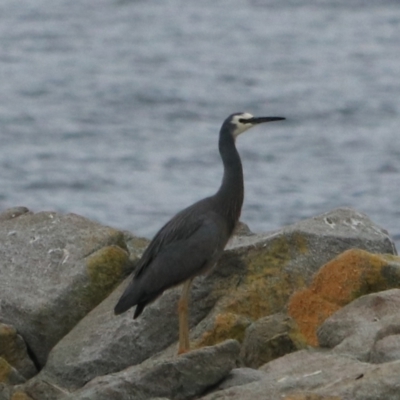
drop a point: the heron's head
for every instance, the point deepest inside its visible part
(240, 122)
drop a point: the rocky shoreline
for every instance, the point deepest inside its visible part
(306, 312)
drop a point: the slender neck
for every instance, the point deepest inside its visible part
(231, 192)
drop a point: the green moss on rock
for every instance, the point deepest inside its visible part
(105, 269)
(226, 326)
(5, 370)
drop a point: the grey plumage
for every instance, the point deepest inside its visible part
(185, 246)
(192, 241)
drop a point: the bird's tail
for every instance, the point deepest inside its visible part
(129, 298)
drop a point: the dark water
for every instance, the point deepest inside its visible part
(111, 109)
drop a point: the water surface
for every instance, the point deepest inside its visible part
(111, 109)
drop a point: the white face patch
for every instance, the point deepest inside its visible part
(240, 127)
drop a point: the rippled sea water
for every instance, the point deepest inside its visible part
(111, 108)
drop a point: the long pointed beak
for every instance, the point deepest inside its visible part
(260, 120)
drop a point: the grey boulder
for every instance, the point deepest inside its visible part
(388, 347)
(103, 343)
(180, 377)
(319, 375)
(277, 264)
(268, 338)
(302, 371)
(367, 329)
(239, 377)
(54, 269)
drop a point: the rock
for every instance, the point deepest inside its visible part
(242, 229)
(13, 350)
(223, 325)
(5, 391)
(8, 374)
(136, 245)
(297, 374)
(239, 377)
(37, 389)
(377, 382)
(5, 394)
(103, 343)
(274, 266)
(269, 338)
(20, 396)
(319, 376)
(181, 377)
(310, 396)
(254, 278)
(12, 213)
(159, 398)
(357, 328)
(386, 349)
(348, 276)
(306, 370)
(55, 269)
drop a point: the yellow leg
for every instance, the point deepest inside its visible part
(183, 306)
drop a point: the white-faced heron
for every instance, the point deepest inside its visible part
(192, 241)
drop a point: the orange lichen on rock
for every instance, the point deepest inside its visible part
(309, 310)
(263, 290)
(345, 278)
